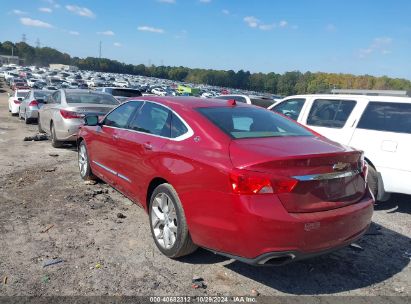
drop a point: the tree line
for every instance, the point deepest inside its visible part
(288, 83)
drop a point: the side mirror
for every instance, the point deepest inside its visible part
(91, 120)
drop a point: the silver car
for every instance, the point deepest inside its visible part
(31, 104)
(65, 109)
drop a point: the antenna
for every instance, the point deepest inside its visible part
(24, 38)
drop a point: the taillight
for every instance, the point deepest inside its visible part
(33, 103)
(17, 101)
(363, 166)
(71, 114)
(248, 182)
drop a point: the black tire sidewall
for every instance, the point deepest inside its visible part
(181, 234)
(372, 180)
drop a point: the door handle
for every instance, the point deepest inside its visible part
(148, 146)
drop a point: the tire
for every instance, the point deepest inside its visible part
(54, 142)
(372, 180)
(27, 121)
(84, 163)
(39, 125)
(164, 203)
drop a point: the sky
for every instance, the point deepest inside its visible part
(346, 36)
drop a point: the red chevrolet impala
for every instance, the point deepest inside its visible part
(236, 179)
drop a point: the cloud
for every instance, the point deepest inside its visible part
(251, 21)
(53, 3)
(18, 12)
(45, 10)
(283, 23)
(117, 44)
(254, 22)
(167, 1)
(81, 11)
(378, 45)
(225, 12)
(205, 1)
(35, 23)
(74, 33)
(146, 28)
(106, 33)
(330, 28)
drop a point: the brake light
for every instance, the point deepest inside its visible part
(247, 182)
(33, 103)
(71, 114)
(17, 101)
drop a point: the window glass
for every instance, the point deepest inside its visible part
(90, 97)
(21, 94)
(120, 117)
(330, 113)
(153, 119)
(246, 122)
(290, 107)
(126, 92)
(264, 103)
(41, 94)
(177, 127)
(387, 116)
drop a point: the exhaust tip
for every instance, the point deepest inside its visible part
(277, 260)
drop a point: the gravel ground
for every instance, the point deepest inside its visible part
(102, 254)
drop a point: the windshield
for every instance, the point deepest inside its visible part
(91, 97)
(21, 93)
(247, 122)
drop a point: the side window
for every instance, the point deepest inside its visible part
(290, 107)
(330, 113)
(120, 117)
(54, 97)
(177, 127)
(153, 119)
(264, 103)
(387, 116)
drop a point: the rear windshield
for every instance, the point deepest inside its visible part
(91, 97)
(126, 93)
(21, 94)
(41, 94)
(247, 122)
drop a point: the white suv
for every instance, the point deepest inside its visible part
(378, 125)
(260, 101)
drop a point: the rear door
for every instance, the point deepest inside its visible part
(139, 146)
(334, 118)
(384, 133)
(47, 110)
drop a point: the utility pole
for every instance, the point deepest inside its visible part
(100, 50)
(12, 51)
(24, 38)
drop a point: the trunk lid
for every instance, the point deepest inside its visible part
(329, 175)
(89, 108)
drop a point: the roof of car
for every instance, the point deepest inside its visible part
(84, 91)
(360, 98)
(186, 101)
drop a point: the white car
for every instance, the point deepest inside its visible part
(260, 101)
(159, 92)
(378, 125)
(15, 99)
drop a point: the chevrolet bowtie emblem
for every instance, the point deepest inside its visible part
(340, 166)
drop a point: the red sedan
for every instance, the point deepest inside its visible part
(236, 179)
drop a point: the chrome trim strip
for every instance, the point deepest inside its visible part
(123, 177)
(325, 176)
(105, 168)
(112, 171)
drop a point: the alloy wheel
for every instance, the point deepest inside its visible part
(82, 160)
(164, 220)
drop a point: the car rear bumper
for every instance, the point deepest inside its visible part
(260, 231)
(67, 129)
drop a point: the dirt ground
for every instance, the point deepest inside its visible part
(103, 254)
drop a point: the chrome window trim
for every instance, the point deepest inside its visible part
(326, 176)
(182, 137)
